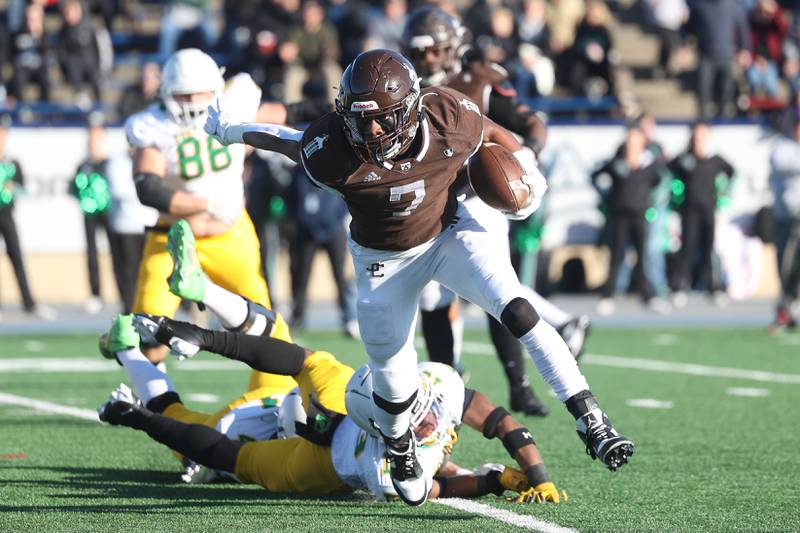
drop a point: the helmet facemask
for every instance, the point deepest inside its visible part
(189, 113)
(446, 62)
(399, 124)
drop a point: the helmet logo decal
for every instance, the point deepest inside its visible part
(316, 144)
(369, 105)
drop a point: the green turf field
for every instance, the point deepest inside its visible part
(713, 453)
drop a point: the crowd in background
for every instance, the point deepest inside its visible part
(296, 49)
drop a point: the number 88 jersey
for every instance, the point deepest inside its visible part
(195, 161)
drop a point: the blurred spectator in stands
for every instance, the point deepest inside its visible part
(563, 18)
(704, 175)
(385, 27)
(141, 94)
(791, 68)
(187, 17)
(785, 182)
(478, 15)
(106, 9)
(312, 51)
(127, 219)
(535, 75)
(722, 36)
(626, 182)
(666, 17)
(78, 54)
(591, 53)
(532, 27)
(90, 187)
(500, 44)
(350, 19)
(319, 223)
(11, 180)
(30, 53)
(769, 28)
(270, 28)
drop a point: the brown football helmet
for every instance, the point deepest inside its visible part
(432, 39)
(379, 86)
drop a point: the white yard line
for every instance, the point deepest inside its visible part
(85, 365)
(524, 521)
(657, 365)
(48, 407)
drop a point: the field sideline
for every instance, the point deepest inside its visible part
(711, 412)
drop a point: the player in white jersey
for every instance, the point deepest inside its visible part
(187, 174)
(333, 452)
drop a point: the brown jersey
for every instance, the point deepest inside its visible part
(477, 79)
(411, 199)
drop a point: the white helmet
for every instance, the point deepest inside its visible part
(358, 400)
(190, 71)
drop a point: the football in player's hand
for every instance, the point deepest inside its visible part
(496, 177)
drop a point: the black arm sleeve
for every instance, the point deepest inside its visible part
(264, 354)
(199, 443)
(153, 192)
(19, 177)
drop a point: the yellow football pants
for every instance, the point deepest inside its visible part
(231, 260)
(297, 465)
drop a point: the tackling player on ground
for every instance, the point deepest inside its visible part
(186, 174)
(332, 453)
(433, 42)
(393, 151)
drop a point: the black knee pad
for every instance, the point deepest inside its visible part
(253, 310)
(394, 408)
(519, 316)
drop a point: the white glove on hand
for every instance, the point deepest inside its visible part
(223, 208)
(537, 184)
(217, 126)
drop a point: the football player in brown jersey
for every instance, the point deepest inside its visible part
(433, 41)
(392, 151)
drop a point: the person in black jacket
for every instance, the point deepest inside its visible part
(11, 177)
(702, 175)
(626, 182)
(77, 49)
(30, 52)
(319, 218)
(90, 187)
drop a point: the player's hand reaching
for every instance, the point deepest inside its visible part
(541, 493)
(218, 126)
(183, 339)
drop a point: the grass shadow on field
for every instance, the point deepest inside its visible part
(127, 487)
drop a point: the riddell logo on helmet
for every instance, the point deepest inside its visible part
(364, 106)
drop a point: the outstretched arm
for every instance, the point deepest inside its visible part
(272, 137)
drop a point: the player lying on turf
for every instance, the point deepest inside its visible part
(332, 453)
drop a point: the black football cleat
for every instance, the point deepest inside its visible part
(574, 333)
(524, 401)
(602, 440)
(408, 478)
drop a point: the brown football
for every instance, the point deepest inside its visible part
(496, 177)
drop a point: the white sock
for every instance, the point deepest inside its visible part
(457, 326)
(148, 381)
(550, 313)
(229, 307)
(554, 361)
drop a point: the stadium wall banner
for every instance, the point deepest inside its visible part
(50, 221)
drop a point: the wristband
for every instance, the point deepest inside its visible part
(537, 474)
